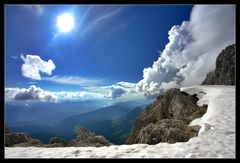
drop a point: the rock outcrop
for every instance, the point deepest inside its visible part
(85, 138)
(57, 142)
(224, 73)
(167, 119)
(19, 139)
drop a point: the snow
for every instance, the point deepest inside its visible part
(216, 137)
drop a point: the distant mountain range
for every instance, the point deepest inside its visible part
(113, 122)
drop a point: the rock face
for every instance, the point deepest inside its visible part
(224, 73)
(167, 119)
(87, 138)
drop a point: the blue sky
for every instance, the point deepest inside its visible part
(110, 43)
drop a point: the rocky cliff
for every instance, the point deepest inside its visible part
(167, 119)
(224, 74)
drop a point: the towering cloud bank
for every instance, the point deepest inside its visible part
(192, 50)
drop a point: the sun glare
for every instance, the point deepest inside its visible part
(65, 22)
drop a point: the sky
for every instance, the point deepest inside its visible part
(110, 51)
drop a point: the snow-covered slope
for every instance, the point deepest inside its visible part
(216, 137)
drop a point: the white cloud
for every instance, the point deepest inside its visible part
(14, 57)
(126, 84)
(96, 16)
(82, 95)
(74, 80)
(32, 93)
(115, 91)
(192, 49)
(33, 65)
(106, 16)
(119, 89)
(32, 82)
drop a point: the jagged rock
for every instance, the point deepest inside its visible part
(166, 130)
(224, 73)
(165, 118)
(57, 142)
(16, 139)
(87, 138)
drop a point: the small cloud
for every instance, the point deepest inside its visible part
(115, 92)
(33, 65)
(14, 57)
(119, 89)
(74, 80)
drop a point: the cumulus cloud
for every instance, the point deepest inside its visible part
(115, 91)
(192, 49)
(33, 65)
(32, 93)
(119, 89)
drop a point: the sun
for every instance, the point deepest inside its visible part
(65, 22)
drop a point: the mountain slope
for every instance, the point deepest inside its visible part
(120, 128)
(41, 113)
(93, 117)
